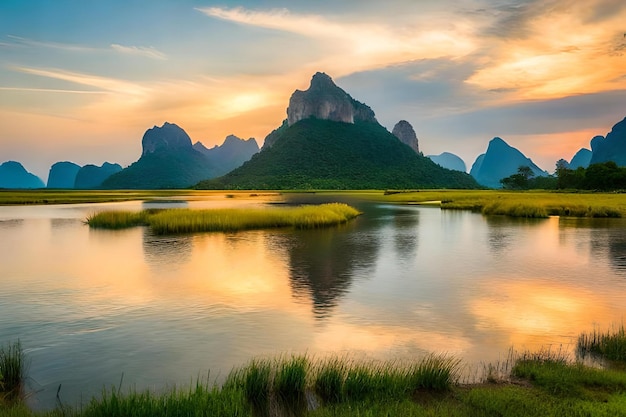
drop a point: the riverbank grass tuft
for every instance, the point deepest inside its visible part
(176, 221)
(610, 345)
(12, 372)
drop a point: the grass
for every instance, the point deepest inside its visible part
(177, 221)
(12, 372)
(53, 196)
(544, 383)
(513, 203)
(610, 345)
(532, 204)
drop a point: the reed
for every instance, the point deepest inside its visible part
(12, 371)
(609, 345)
(176, 221)
(290, 380)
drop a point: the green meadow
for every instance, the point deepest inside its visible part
(536, 384)
(226, 220)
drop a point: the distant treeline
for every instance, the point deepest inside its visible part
(605, 176)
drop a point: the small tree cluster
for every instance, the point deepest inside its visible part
(606, 176)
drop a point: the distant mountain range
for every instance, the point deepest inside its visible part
(331, 141)
(328, 140)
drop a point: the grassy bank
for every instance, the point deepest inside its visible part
(226, 220)
(52, 196)
(544, 384)
(535, 204)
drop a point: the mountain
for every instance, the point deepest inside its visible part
(331, 141)
(500, 161)
(612, 147)
(404, 131)
(91, 176)
(62, 175)
(449, 160)
(324, 100)
(168, 160)
(14, 175)
(581, 159)
(230, 155)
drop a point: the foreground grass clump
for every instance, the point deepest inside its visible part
(12, 371)
(541, 384)
(609, 345)
(226, 220)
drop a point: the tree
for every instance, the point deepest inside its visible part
(519, 181)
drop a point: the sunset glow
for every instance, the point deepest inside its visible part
(84, 83)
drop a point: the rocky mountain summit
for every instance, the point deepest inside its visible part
(14, 175)
(233, 152)
(324, 100)
(612, 147)
(62, 175)
(500, 161)
(582, 158)
(92, 176)
(405, 132)
(449, 160)
(168, 137)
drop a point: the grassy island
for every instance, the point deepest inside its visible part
(226, 220)
(530, 384)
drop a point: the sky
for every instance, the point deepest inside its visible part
(83, 80)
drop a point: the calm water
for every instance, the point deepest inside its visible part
(90, 306)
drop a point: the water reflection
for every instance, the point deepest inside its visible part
(322, 264)
(168, 252)
(604, 238)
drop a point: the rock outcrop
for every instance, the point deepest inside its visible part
(324, 100)
(14, 175)
(449, 160)
(230, 154)
(612, 147)
(168, 160)
(92, 176)
(167, 138)
(405, 132)
(63, 175)
(500, 161)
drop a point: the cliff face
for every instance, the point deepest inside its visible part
(405, 132)
(324, 100)
(168, 138)
(62, 175)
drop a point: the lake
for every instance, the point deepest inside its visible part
(96, 308)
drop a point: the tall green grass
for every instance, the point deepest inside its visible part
(177, 221)
(609, 345)
(12, 371)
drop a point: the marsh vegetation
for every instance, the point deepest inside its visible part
(532, 204)
(544, 383)
(175, 221)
